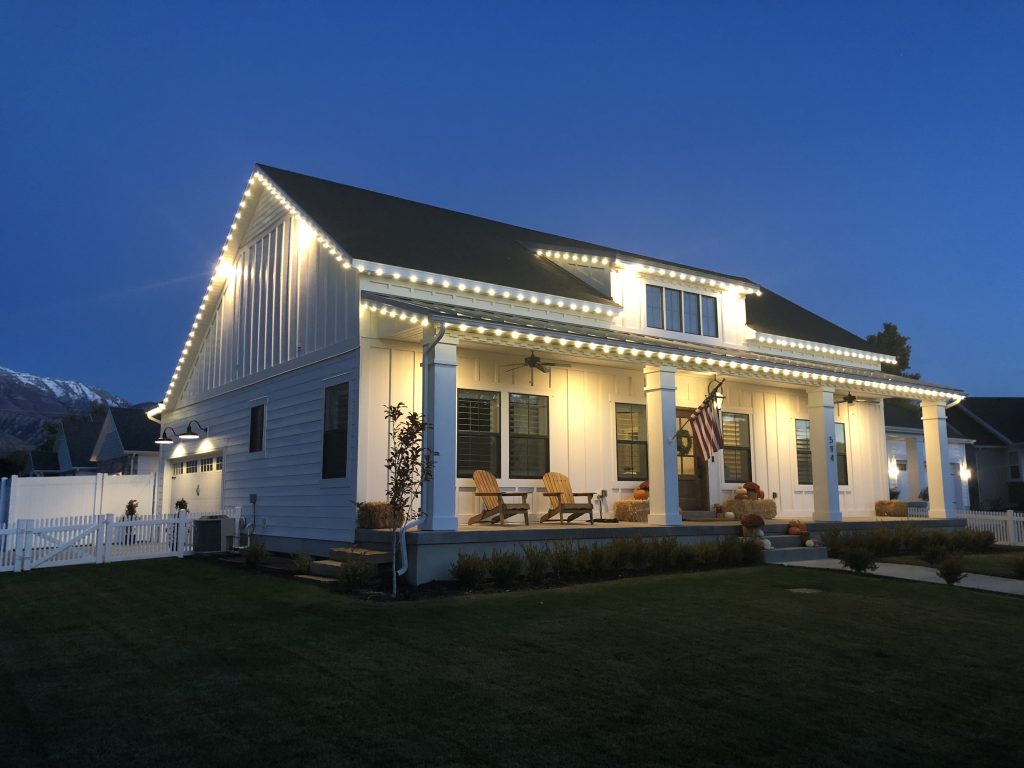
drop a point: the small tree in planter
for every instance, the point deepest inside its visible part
(408, 467)
(181, 505)
(131, 508)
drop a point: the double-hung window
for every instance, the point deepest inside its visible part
(803, 453)
(630, 441)
(842, 470)
(736, 450)
(528, 442)
(674, 310)
(335, 458)
(479, 432)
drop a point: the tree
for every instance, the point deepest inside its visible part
(889, 341)
(408, 466)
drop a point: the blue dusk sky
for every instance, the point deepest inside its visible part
(864, 159)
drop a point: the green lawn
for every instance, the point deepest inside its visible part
(190, 663)
(998, 562)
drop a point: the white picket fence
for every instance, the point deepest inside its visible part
(80, 540)
(1007, 527)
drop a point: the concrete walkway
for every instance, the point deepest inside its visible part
(925, 574)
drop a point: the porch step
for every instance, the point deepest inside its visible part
(783, 541)
(317, 581)
(783, 555)
(358, 552)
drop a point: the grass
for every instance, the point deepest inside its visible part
(997, 562)
(185, 662)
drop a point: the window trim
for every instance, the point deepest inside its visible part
(845, 453)
(546, 438)
(662, 321)
(260, 406)
(809, 452)
(346, 465)
(749, 449)
(642, 442)
(496, 470)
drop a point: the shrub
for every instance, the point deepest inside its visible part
(469, 570)
(302, 562)
(859, 559)
(356, 574)
(622, 553)
(934, 553)
(255, 554)
(834, 541)
(686, 558)
(504, 567)
(537, 562)
(563, 559)
(594, 561)
(1018, 567)
(966, 540)
(730, 552)
(663, 553)
(750, 552)
(951, 568)
(706, 554)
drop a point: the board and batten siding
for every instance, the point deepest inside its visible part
(286, 327)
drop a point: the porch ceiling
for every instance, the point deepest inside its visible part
(488, 326)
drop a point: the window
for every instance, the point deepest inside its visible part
(691, 309)
(479, 432)
(678, 311)
(709, 315)
(528, 435)
(736, 452)
(191, 466)
(841, 469)
(673, 310)
(631, 441)
(257, 419)
(803, 452)
(219, 462)
(335, 462)
(654, 311)
(177, 468)
(206, 464)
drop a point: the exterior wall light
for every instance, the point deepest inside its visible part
(164, 439)
(188, 434)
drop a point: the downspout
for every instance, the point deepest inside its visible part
(403, 548)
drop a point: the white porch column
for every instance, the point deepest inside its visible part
(821, 410)
(913, 468)
(660, 394)
(439, 403)
(936, 457)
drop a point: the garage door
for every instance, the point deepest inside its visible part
(198, 480)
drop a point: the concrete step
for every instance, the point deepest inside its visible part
(318, 581)
(330, 569)
(358, 552)
(781, 541)
(793, 554)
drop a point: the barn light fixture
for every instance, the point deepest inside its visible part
(188, 434)
(164, 439)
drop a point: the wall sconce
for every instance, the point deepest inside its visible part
(715, 390)
(164, 439)
(965, 471)
(188, 434)
(894, 471)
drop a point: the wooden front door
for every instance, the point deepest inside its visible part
(693, 470)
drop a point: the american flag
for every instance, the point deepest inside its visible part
(707, 431)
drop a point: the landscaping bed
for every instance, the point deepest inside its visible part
(1005, 562)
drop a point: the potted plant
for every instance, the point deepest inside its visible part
(130, 510)
(751, 523)
(181, 505)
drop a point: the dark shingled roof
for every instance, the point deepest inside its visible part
(1002, 414)
(137, 432)
(44, 461)
(81, 435)
(906, 414)
(389, 230)
(773, 314)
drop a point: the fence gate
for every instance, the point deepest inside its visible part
(63, 541)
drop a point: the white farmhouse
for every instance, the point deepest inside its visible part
(330, 302)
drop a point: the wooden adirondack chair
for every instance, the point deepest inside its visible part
(495, 508)
(563, 500)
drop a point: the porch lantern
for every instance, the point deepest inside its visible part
(715, 390)
(965, 471)
(894, 471)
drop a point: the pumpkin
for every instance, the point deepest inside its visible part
(642, 492)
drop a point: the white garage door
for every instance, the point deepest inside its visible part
(198, 481)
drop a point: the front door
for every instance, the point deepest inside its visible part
(693, 470)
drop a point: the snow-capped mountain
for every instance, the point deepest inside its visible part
(27, 401)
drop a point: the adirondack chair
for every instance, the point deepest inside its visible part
(563, 500)
(495, 507)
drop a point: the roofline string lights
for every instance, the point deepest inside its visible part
(673, 274)
(809, 346)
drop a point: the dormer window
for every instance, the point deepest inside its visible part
(673, 310)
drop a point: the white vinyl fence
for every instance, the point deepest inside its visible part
(45, 498)
(1007, 527)
(80, 540)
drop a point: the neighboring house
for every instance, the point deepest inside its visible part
(74, 443)
(330, 302)
(125, 444)
(905, 449)
(41, 464)
(996, 425)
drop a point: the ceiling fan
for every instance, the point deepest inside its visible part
(534, 363)
(851, 398)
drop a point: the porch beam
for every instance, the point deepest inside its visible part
(439, 410)
(936, 459)
(821, 411)
(662, 472)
